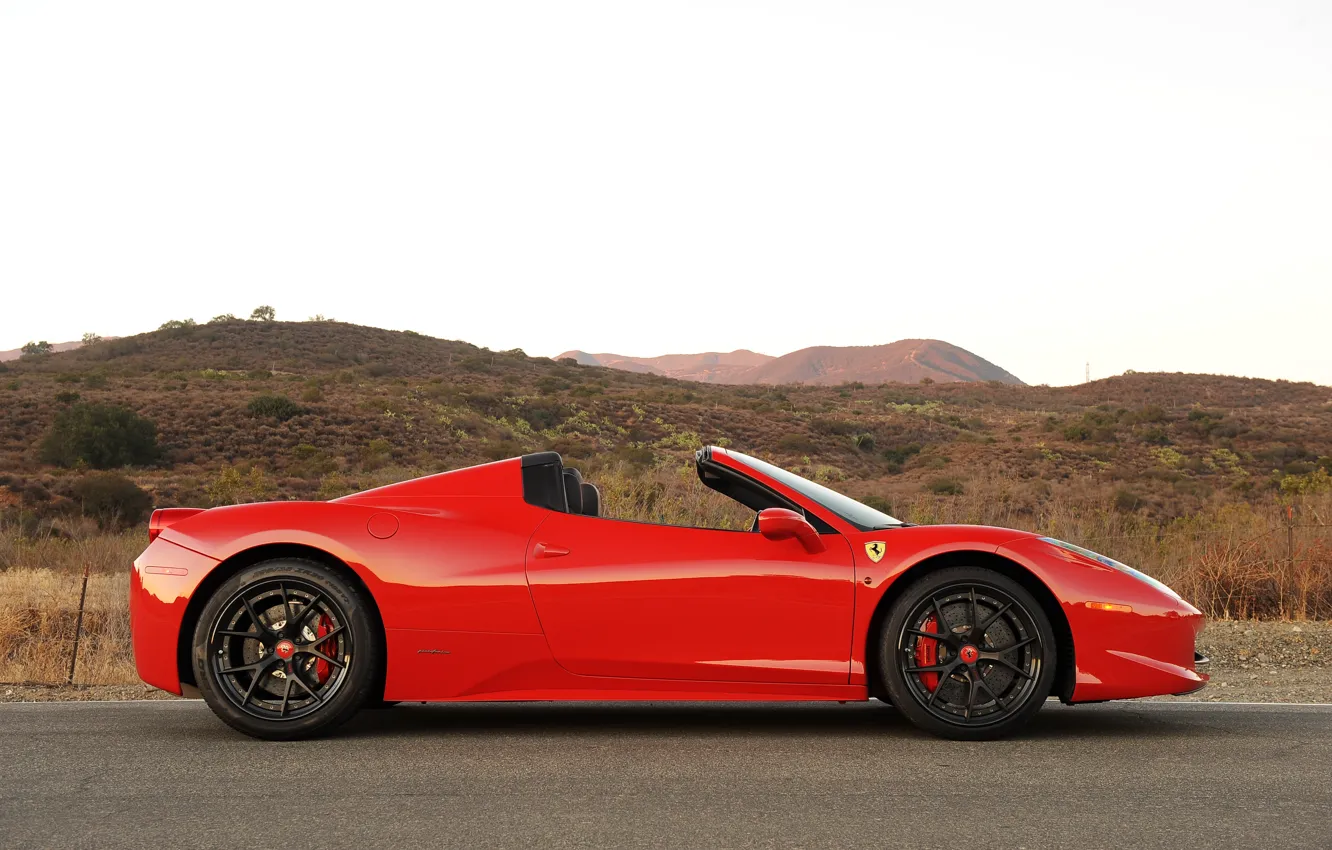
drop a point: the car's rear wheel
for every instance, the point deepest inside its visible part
(286, 649)
(967, 653)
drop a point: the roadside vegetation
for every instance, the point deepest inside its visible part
(1222, 487)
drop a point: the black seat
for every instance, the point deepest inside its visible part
(573, 490)
(591, 500)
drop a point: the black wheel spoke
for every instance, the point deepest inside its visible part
(941, 668)
(254, 681)
(308, 610)
(980, 680)
(1017, 645)
(317, 654)
(929, 635)
(297, 676)
(332, 634)
(258, 623)
(1010, 665)
(938, 688)
(234, 633)
(231, 671)
(939, 614)
(286, 606)
(980, 630)
(975, 611)
(286, 694)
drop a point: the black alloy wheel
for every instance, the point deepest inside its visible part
(284, 649)
(967, 653)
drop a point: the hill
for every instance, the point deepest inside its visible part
(905, 361)
(363, 400)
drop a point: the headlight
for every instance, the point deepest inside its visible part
(1113, 564)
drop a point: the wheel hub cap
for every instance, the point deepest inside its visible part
(969, 654)
(284, 649)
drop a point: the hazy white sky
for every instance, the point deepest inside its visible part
(1143, 185)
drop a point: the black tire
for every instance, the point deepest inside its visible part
(286, 649)
(970, 683)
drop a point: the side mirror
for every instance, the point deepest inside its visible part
(782, 524)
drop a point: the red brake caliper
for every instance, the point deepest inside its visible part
(927, 653)
(322, 667)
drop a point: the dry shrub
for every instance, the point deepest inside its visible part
(70, 548)
(667, 495)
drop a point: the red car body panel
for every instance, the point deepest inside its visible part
(666, 602)
(484, 595)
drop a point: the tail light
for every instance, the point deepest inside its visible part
(164, 518)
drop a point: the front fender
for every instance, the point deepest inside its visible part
(1146, 651)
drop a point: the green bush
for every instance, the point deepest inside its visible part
(879, 503)
(897, 456)
(278, 407)
(1126, 500)
(103, 436)
(797, 444)
(945, 487)
(113, 500)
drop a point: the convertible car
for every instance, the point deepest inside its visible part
(504, 582)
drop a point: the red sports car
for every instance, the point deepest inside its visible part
(504, 582)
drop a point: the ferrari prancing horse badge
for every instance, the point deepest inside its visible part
(875, 550)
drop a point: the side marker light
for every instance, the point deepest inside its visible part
(1109, 606)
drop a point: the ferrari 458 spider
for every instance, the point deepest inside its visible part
(504, 582)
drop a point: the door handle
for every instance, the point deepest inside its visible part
(541, 550)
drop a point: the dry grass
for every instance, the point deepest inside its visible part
(38, 613)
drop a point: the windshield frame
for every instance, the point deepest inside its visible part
(854, 513)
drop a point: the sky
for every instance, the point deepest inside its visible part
(1133, 185)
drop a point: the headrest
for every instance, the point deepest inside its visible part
(573, 490)
(591, 500)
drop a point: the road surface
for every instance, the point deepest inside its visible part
(633, 775)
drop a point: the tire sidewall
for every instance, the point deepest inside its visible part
(348, 698)
(894, 680)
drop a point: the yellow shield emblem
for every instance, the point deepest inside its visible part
(875, 550)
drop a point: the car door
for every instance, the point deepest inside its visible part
(631, 599)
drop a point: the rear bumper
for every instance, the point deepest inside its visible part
(157, 604)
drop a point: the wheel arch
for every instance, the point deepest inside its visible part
(258, 554)
(1065, 675)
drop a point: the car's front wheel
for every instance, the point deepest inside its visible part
(286, 649)
(967, 653)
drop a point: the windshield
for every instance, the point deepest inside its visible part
(862, 516)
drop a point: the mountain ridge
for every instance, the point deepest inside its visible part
(903, 361)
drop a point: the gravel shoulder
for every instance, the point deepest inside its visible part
(1252, 661)
(1266, 661)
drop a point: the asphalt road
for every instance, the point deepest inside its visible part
(542, 775)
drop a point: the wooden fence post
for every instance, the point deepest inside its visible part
(78, 627)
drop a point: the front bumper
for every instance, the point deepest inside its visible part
(1131, 638)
